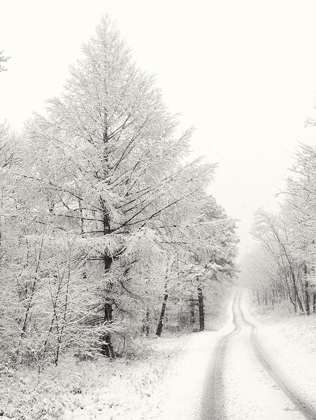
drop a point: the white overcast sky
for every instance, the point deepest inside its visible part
(242, 72)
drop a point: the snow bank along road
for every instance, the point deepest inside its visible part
(243, 382)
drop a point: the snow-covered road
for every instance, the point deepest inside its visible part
(243, 371)
(250, 385)
(228, 375)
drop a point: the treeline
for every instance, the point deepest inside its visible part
(102, 221)
(281, 269)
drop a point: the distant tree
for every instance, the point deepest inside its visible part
(265, 275)
(3, 59)
(205, 244)
(6, 146)
(284, 261)
(213, 248)
(299, 209)
(275, 236)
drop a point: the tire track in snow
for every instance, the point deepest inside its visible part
(213, 400)
(297, 399)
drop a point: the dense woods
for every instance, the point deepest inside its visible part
(105, 222)
(281, 268)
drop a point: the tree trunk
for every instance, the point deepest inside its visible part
(162, 315)
(272, 298)
(300, 304)
(106, 340)
(307, 299)
(266, 298)
(201, 309)
(146, 323)
(314, 302)
(296, 294)
(165, 298)
(106, 346)
(192, 311)
(295, 302)
(258, 297)
(291, 298)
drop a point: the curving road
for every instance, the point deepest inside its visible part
(243, 382)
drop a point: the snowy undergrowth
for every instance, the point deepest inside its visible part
(163, 376)
(121, 388)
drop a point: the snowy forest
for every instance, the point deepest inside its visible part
(139, 280)
(281, 268)
(107, 229)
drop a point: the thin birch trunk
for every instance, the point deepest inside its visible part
(201, 309)
(162, 315)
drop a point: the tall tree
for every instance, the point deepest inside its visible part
(107, 162)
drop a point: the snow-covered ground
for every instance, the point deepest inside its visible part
(176, 378)
(244, 390)
(177, 395)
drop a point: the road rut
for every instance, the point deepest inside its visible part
(244, 383)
